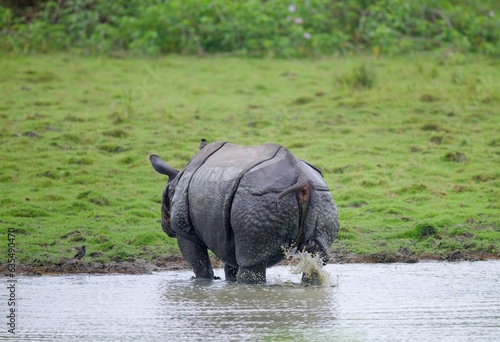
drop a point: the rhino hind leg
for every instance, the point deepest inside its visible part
(252, 275)
(231, 272)
(197, 257)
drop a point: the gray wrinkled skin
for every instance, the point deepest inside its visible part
(245, 204)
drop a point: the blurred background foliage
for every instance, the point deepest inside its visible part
(272, 28)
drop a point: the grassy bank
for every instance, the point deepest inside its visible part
(409, 146)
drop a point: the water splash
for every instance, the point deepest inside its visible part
(310, 265)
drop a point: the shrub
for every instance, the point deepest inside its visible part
(253, 27)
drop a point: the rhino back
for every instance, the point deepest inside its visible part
(262, 221)
(314, 176)
(213, 181)
(180, 219)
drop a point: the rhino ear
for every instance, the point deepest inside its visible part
(162, 167)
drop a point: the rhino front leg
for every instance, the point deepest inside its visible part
(252, 274)
(197, 257)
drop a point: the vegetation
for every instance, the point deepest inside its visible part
(250, 27)
(408, 145)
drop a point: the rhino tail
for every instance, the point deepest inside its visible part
(302, 187)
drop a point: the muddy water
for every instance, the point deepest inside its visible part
(394, 302)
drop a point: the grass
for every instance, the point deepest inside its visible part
(408, 145)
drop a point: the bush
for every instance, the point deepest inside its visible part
(253, 27)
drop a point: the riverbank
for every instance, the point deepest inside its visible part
(175, 262)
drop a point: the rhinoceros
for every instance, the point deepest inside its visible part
(246, 204)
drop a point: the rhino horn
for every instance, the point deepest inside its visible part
(162, 167)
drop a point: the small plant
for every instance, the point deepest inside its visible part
(303, 100)
(455, 157)
(437, 140)
(364, 77)
(116, 133)
(420, 232)
(425, 230)
(361, 77)
(94, 198)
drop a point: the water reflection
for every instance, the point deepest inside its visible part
(285, 310)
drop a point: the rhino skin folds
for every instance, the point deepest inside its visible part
(246, 204)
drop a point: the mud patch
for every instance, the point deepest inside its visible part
(71, 266)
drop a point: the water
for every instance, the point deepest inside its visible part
(310, 265)
(382, 302)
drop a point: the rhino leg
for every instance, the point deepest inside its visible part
(252, 274)
(231, 272)
(197, 257)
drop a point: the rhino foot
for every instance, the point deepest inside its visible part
(231, 272)
(252, 274)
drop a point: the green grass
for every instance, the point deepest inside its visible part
(409, 146)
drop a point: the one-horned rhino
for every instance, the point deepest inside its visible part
(246, 204)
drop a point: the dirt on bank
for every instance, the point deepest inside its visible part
(72, 266)
(175, 262)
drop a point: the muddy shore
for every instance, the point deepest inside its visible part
(175, 262)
